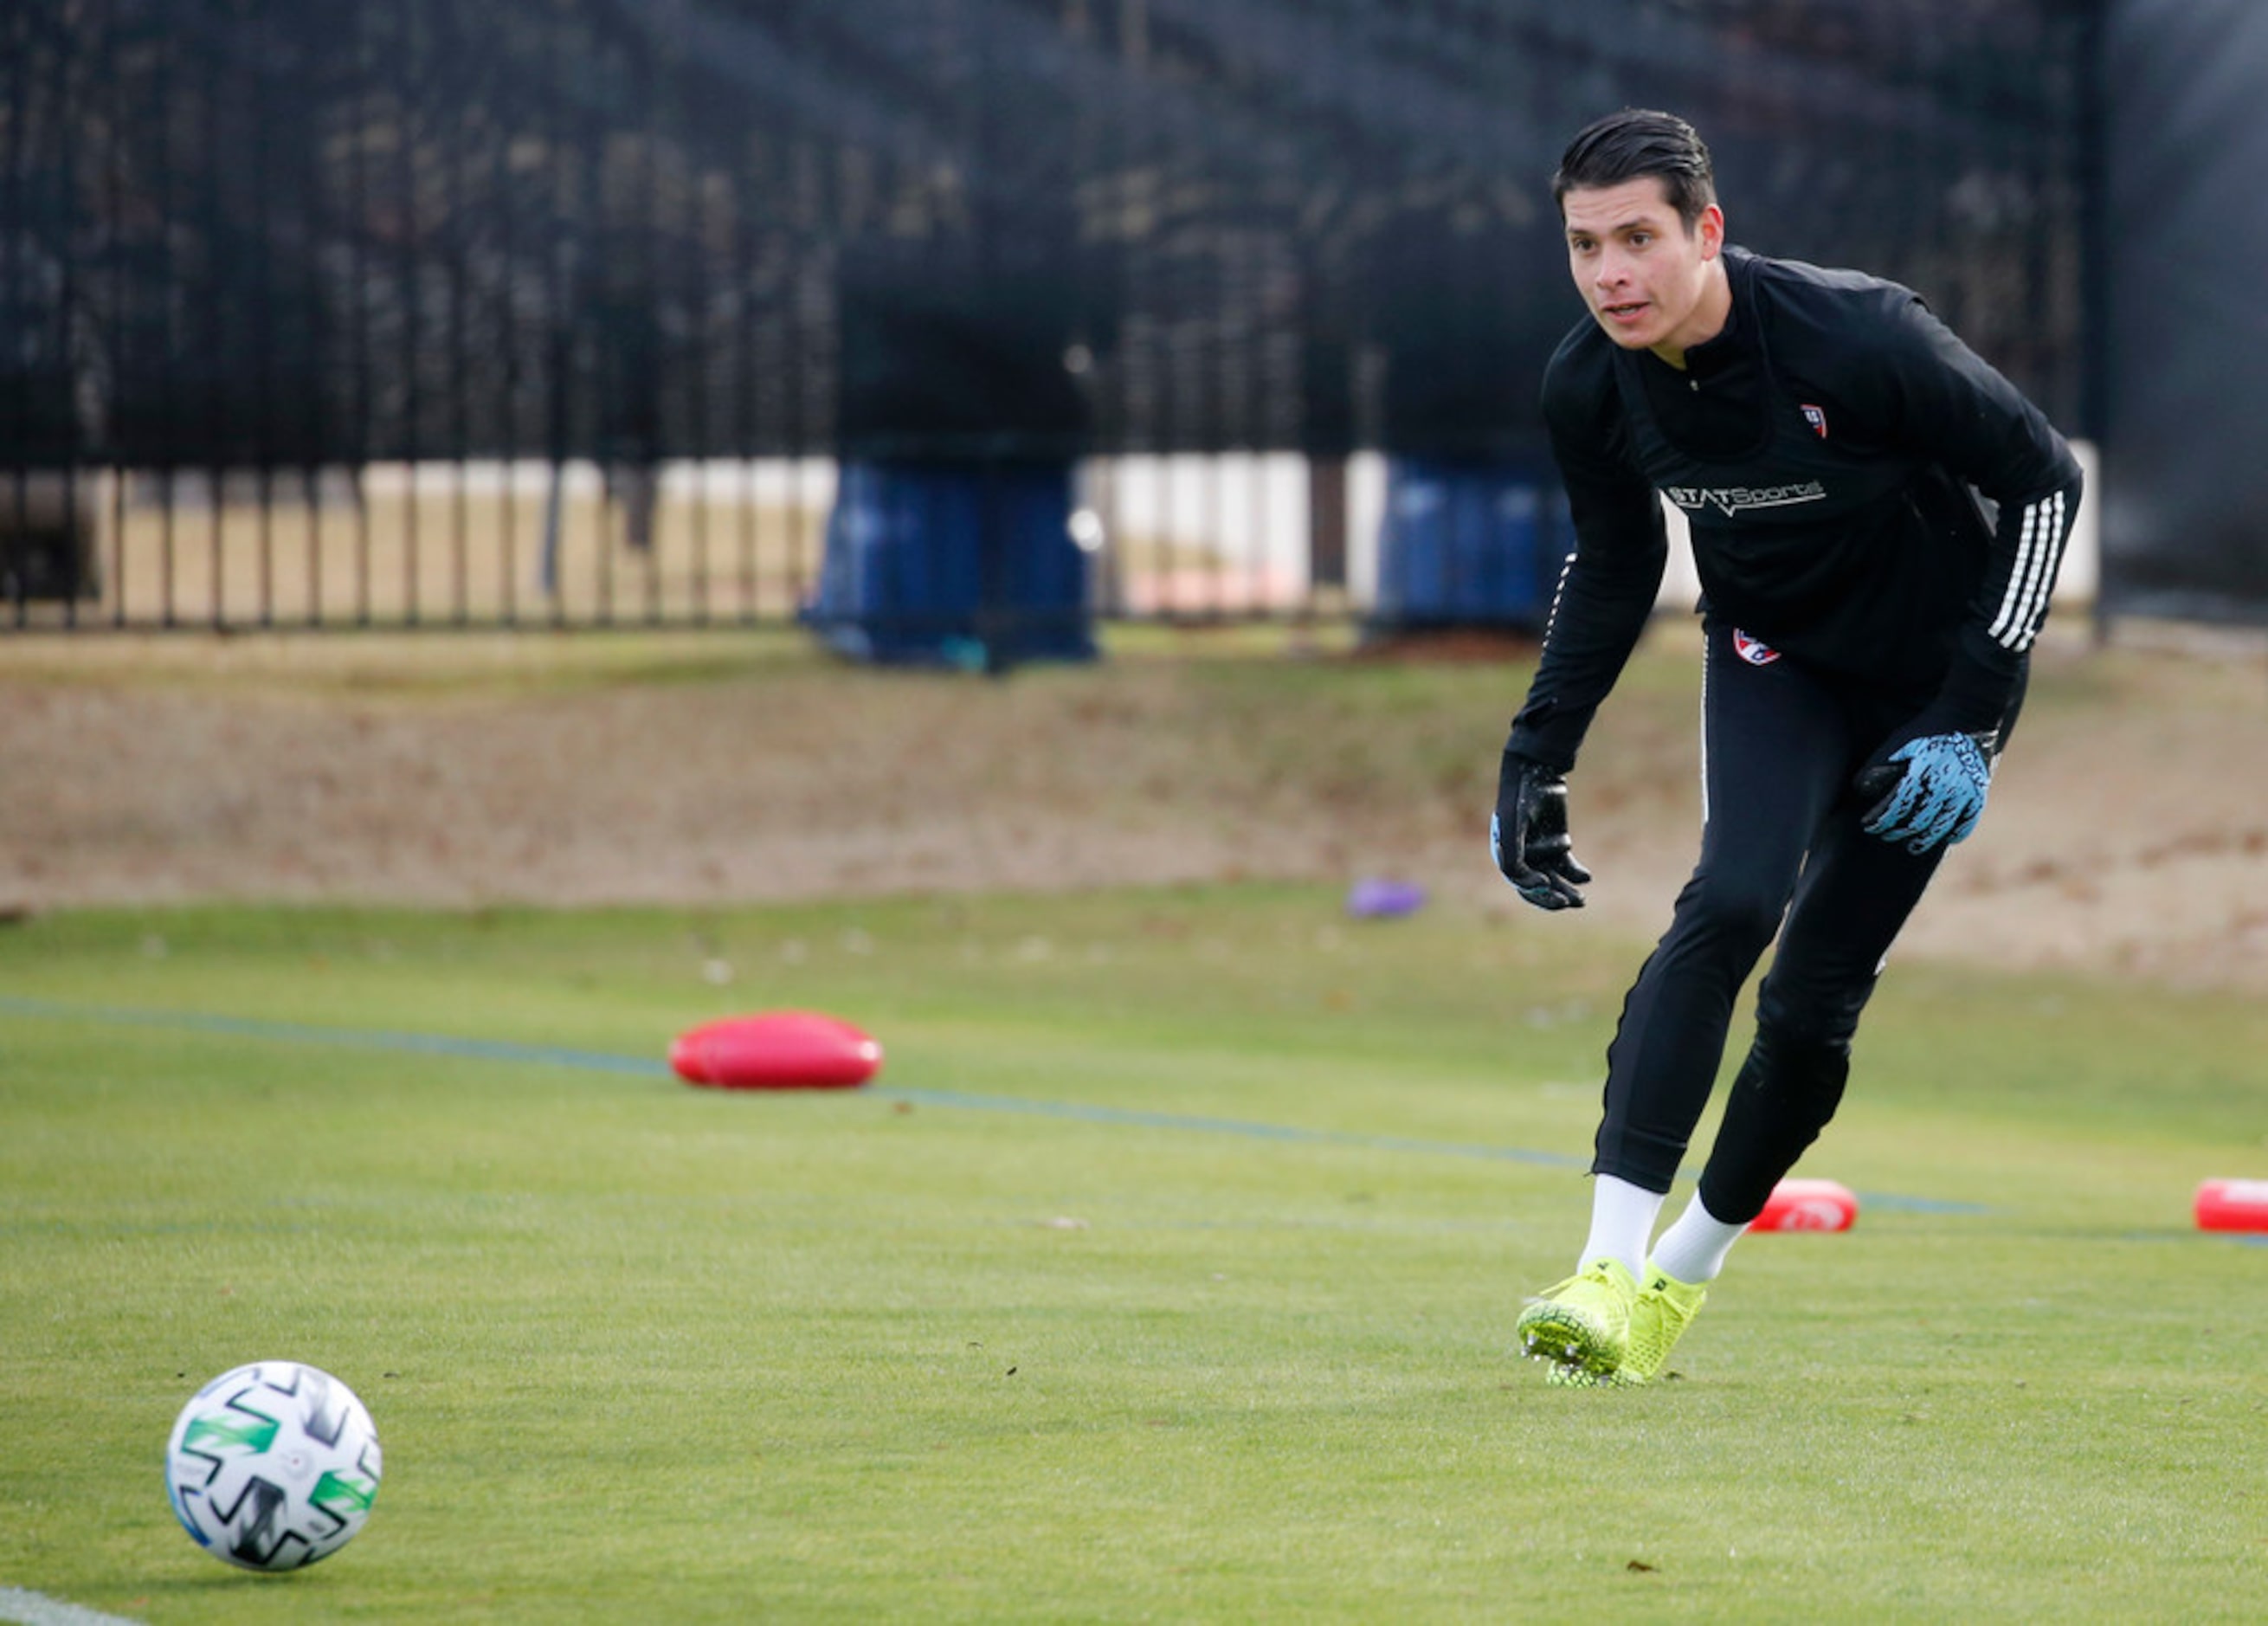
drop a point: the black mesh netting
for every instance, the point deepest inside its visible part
(331, 230)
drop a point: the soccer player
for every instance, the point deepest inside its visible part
(1866, 630)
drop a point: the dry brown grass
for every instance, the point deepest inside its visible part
(2128, 830)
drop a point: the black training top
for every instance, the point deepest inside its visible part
(1824, 448)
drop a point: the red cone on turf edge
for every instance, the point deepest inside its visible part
(776, 1050)
(1807, 1205)
(2233, 1205)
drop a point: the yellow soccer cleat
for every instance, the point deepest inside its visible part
(1659, 1312)
(1658, 1316)
(1558, 1377)
(1583, 1323)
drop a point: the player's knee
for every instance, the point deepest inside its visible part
(1802, 1014)
(1741, 915)
(1805, 1069)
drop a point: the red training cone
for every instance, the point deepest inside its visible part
(2233, 1205)
(1807, 1205)
(776, 1050)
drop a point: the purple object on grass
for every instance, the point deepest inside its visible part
(1375, 900)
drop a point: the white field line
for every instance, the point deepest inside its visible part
(30, 1608)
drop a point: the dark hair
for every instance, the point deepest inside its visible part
(1635, 143)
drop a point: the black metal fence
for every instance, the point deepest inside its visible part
(2185, 491)
(336, 312)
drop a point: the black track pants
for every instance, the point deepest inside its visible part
(1781, 852)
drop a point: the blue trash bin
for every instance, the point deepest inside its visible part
(967, 564)
(1468, 544)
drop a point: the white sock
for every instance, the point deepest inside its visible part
(1622, 1220)
(1693, 1249)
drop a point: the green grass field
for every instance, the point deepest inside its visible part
(1166, 1273)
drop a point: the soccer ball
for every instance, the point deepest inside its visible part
(273, 1466)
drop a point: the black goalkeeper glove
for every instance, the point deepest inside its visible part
(1529, 835)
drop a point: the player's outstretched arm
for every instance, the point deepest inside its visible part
(1926, 784)
(1605, 596)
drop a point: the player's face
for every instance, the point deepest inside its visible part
(1651, 282)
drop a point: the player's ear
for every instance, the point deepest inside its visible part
(1711, 228)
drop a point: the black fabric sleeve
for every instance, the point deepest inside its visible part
(1976, 423)
(1608, 584)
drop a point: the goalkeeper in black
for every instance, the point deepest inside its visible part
(1866, 630)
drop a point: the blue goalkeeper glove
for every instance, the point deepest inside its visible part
(1527, 837)
(1929, 790)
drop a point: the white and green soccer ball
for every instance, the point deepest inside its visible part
(273, 1466)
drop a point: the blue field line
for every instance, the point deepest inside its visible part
(352, 1038)
(595, 1061)
(1915, 1205)
(1127, 1117)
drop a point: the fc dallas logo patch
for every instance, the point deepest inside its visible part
(1817, 419)
(1755, 651)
